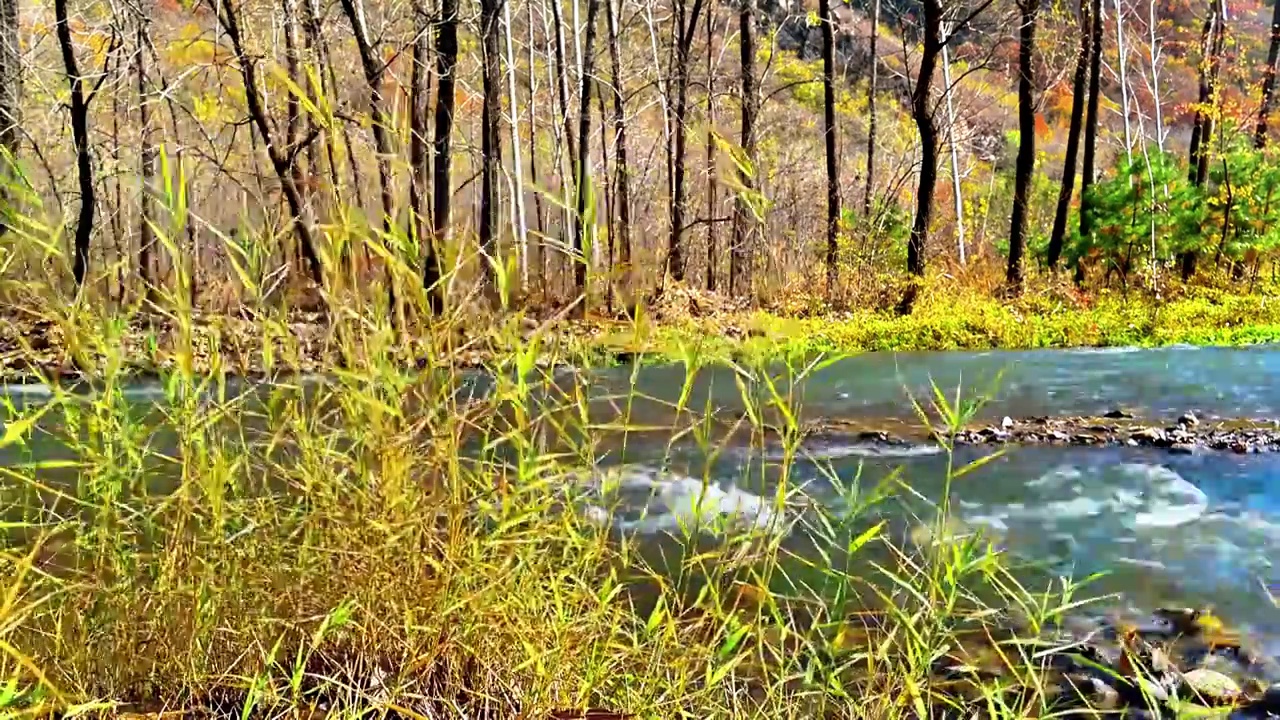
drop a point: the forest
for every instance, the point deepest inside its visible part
(253, 155)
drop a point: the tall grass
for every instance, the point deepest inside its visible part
(388, 541)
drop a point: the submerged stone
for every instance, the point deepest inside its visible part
(1211, 686)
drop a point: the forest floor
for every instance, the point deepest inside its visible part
(684, 324)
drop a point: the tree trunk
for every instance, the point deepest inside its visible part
(372, 64)
(441, 185)
(711, 153)
(686, 26)
(953, 149)
(1078, 95)
(1122, 62)
(1090, 131)
(419, 160)
(147, 157)
(621, 167)
(490, 138)
(10, 99)
(519, 222)
(80, 139)
(281, 157)
(1269, 80)
(871, 111)
(583, 192)
(923, 116)
(1202, 130)
(743, 218)
(829, 130)
(1026, 161)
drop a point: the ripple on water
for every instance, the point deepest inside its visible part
(648, 500)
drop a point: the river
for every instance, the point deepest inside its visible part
(1165, 528)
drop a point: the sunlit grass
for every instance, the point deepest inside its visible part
(384, 541)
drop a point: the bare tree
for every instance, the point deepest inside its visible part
(711, 152)
(147, 157)
(1268, 80)
(80, 138)
(743, 218)
(922, 113)
(829, 136)
(1090, 130)
(490, 138)
(418, 155)
(584, 156)
(622, 170)
(282, 156)
(441, 185)
(1122, 62)
(373, 67)
(519, 223)
(10, 95)
(871, 110)
(953, 148)
(1026, 161)
(686, 26)
(1078, 97)
(1202, 131)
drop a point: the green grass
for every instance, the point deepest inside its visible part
(960, 320)
(381, 546)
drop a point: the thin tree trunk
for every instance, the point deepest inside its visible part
(1202, 131)
(1090, 132)
(711, 153)
(1122, 64)
(1268, 81)
(441, 185)
(372, 64)
(1078, 95)
(519, 224)
(562, 77)
(583, 191)
(1026, 161)
(281, 157)
(10, 100)
(621, 167)
(871, 111)
(923, 116)
(829, 130)
(80, 138)
(147, 156)
(1154, 50)
(533, 151)
(490, 139)
(686, 26)
(743, 217)
(953, 147)
(419, 162)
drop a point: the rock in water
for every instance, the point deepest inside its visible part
(1210, 686)
(1118, 414)
(1270, 700)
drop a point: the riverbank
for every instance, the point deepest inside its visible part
(36, 343)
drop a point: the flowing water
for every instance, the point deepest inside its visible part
(1165, 528)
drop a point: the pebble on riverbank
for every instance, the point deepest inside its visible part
(1188, 436)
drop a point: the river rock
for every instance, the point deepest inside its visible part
(1270, 700)
(1118, 414)
(1210, 686)
(1150, 435)
(1183, 448)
